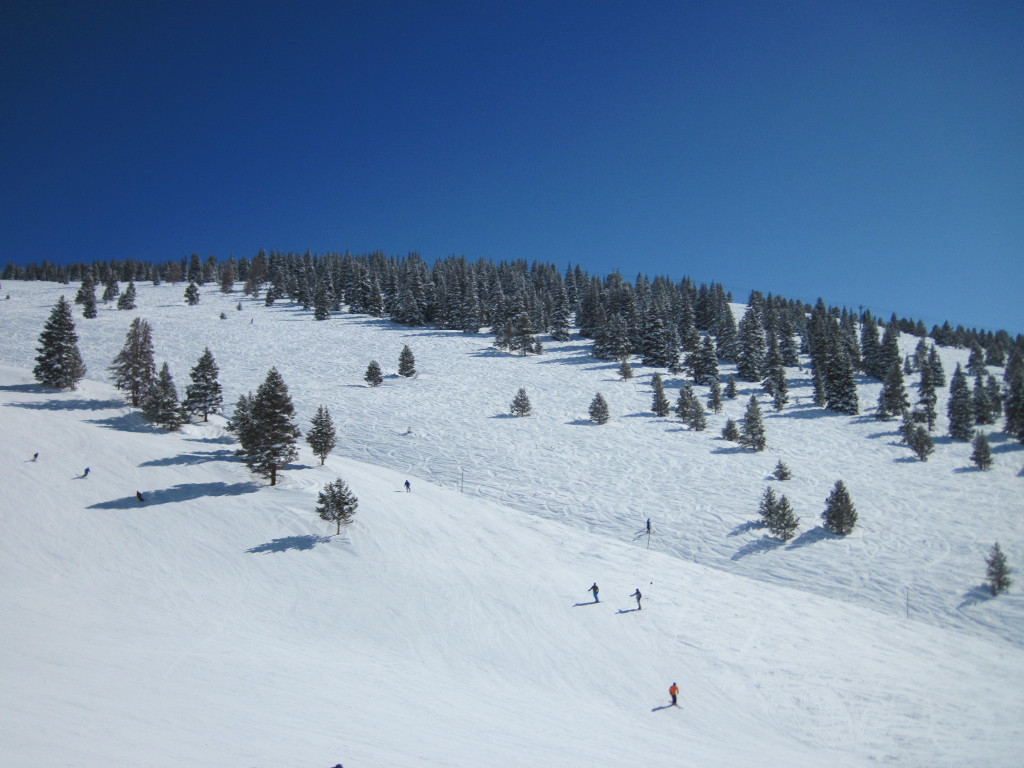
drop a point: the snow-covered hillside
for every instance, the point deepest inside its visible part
(220, 624)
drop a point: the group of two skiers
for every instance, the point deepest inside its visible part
(595, 590)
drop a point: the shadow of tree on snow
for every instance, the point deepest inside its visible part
(71, 405)
(198, 457)
(981, 593)
(818, 533)
(759, 546)
(290, 542)
(181, 492)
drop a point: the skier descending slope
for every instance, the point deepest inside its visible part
(594, 589)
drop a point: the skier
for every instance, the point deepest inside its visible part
(408, 487)
(86, 473)
(140, 497)
(673, 691)
(637, 595)
(593, 588)
(648, 526)
(35, 456)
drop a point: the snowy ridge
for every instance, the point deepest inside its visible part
(220, 621)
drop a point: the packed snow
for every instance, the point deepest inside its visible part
(221, 623)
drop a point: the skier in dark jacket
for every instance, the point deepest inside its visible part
(593, 588)
(637, 595)
(140, 497)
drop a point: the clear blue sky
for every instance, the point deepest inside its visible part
(871, 153)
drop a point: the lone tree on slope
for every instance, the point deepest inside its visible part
(321, 437)
(659, 402)
(337, 504)
(982, 454)
(406, 362)
(521, 403)
(203, 395)
(59, 363)
(373, 375)
(997, 570)
(599, 409)
(134, 368)
(840, 515)
(274, 431)
(752, 427)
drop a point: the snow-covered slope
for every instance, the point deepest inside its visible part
(220, 624)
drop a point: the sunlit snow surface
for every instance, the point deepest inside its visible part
(220, 624)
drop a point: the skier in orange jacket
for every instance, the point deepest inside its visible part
(673, 691)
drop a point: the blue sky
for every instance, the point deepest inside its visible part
(870, 153)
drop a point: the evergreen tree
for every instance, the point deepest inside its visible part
(715, 397)
(86, 289)
(730, 388)
(599, 409)
(59, 363)
(406, 362)
(752, 434)
(611, 341)
(840, 515)
(784, 522)
(323, 300)
(997, 571)
(275, 431)
(659, 402)
(203, 395)
(892, 401)
(731, 431)
(782, 471)
(696, 418)
(981, 403)
(192, 295)
(241, 424)
(752, 348)
(89, 306)
(685, 402)
(337, 504)
(321, 436)
(926, 395)
(775, 376)
(521, 404)
(1013, 404)
(661, 345)
(840, 379)
(920, 442)
(625, 370)
(982, 454)
(110, 291)
(960, 407)
(767, 506)
(938, 372)
(373, 375)
(134, 368)
(160, 404)
(127, 299)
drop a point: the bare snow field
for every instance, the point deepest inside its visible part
(221, 624)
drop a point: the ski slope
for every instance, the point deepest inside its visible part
(220, 624)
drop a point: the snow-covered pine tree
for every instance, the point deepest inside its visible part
(321, 436)
(192, 295)
(203, 395)
(59, 363)
(767, 506)
(134, 368)
(373, 376)
(752, 349)
(599, 409)
(998, 571)
(323, 300)
(697, 419)
(840, 515)
(840, 378)
(684, 402)
(960, 407)
(160, 404)
(274, 430)
(782, 472)
(981, 403)
(752, 434)
(730, 387)
(1013, 403)
(927, 397)
(659, 402)
(625, 370)
(661, 345)
(784, 522)
(521, 404)
(87, 288)
(337, 504)
(241, 424)
(981, 454)
(89, 311)
(935, 363)
(406, 362)
(127, 299)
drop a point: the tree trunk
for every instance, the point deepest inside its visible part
(273, 474)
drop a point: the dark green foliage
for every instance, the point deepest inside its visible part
(997, 571)
(321, 436)
(696, 418)
(87, 289)
(625, 370)
(1013, 405)
(89, 305)
(134, 368)
(920, 441)
(777, 515)
(406, 362)
(766, 507)
(373, 375)
(659, 402)
(161, 404)
(661, 345)
(110, 291)
(273, 427)
(599, 409)
(337, 504)
(960, 407)
(685, 402)
(59, 363)
(730, 388)
(926, 394)
(782, 471)
(892, 401)
(731, 431)
(611, 341)
(203, 395)
(840, 515)
(752, 349)
(752, 434)
(241, 424)
(127, 299)
(191, 295)
(840, 380)
(715, 397)
(982, 454)
(983, 405)
(521, 404)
